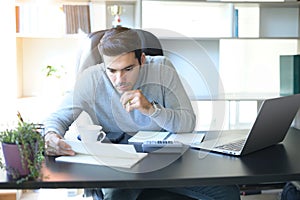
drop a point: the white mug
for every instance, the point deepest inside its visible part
(91, 133)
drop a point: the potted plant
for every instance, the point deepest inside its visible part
(22, 149)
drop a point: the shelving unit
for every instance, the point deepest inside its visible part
(193, 33)
(212, 59)
(218, 19)
(209, 25)
(241, 61)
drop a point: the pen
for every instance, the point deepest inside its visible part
(196, 141)
(129, 101)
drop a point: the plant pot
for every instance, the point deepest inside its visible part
(13, 161)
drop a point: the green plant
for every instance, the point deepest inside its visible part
(30, 143)
(57, 72)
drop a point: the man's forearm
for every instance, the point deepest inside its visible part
(176, 121)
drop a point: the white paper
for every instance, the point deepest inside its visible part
(142, 136)
(104, 161)
(114, 155)
(103, 149)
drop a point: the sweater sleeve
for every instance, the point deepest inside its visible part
(72, 105)
(176, 113)
(60, 120)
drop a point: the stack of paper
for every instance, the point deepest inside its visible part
(96, 153)
(142, 136)
(187, 138)
(195, 137)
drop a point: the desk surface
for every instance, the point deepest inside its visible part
(274, 164)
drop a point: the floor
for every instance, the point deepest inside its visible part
(66, 194)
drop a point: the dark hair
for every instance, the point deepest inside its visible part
(120, 40)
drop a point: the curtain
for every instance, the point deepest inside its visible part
(77, 18)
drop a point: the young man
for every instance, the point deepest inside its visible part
(128, 92)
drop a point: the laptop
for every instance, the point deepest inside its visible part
(273, 120)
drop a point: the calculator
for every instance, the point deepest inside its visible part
(162, 146)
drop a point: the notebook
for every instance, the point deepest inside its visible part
(273, 120)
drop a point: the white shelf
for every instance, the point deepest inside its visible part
(48, 36)
(227, 38)
(218, 19)
(198, 19)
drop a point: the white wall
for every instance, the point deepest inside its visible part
(192, 19)
(8, 69)
(252, 66)
(8, 50)
(197, 63)
(40, 52)
(279, 22)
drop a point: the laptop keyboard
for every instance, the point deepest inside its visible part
(234, 146)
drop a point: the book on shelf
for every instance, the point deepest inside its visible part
(289, 74)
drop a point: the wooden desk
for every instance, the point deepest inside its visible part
(278, 163)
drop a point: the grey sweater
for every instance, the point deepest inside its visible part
(94, 94)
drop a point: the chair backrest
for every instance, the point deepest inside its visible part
(89, 54)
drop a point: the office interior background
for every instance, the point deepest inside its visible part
(219, 48)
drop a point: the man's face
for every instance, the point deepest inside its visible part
(122, 70)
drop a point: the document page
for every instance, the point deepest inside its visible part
(114, 155)
(187, 138)
(103, 149)
(195, 137)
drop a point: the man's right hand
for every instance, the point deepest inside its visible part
(54, 145)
